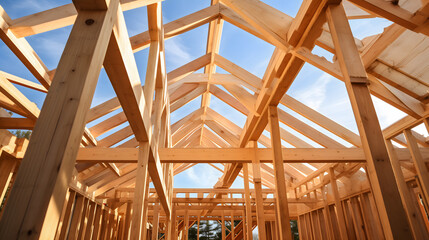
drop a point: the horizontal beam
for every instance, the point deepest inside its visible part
(232, 155)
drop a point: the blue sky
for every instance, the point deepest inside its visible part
(312, 87)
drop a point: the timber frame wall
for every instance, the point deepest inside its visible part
(68, 183)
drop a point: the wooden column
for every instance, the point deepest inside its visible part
(64, 213)
(84, 218)
(76, 219)
(140, 190)
(419, 162)
(155, 222)
(98, 221)
(42, 181)
(127, 219)
(87, 234)
(7, 167)
(223, 225)
(145, 210)
(326, 213)
(382, 179)
(243, 223)
(66, 219)
(248, 207)
(173, 225)
(185, 225)
(414, 216)
(232, 226)
(279, 174)
(198, 227)
(338, 206)
(257, 181)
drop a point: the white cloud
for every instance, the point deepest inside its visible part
(36, 6)
(177, 53)
(206, 178)
(314, 94)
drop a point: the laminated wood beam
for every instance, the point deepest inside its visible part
(47, 167)
(380, 171)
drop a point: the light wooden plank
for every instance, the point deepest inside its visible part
(48, 164)
(279, 173)
(238, 155)
(380, 170)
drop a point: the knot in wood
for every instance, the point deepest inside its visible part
(89, 21)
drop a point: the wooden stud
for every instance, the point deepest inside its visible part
(258, 194)
(338, 206)
(248, 223)
(139, 196)
(280, 180)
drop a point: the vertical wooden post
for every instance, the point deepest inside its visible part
(340, 213)
(90, 223)
(98, 221)
(326, 213)
(243, 222)
(145, 209)
(223, 225)
(382, 179)
(77, 215)
(248, 207)
(414, 215)
(37, 197)
(155, 222)
(232, 226)
(84, 218)
(126, 232)
(61, 234)
(419, 162)
(7, 166)
(140, 190)
(185, 225)
(198, 228)
(173, 225)
(257, 181)
(279, 173)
